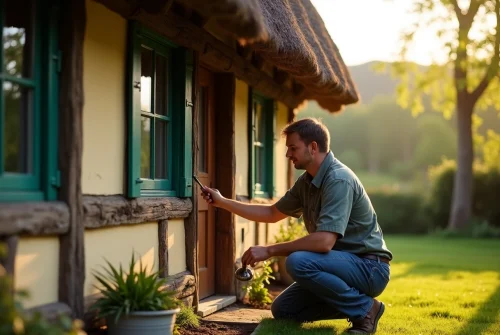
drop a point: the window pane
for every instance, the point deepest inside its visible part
(145, 147)
(17, 128)
(258, 121)
(260, 166)
(202, 127)
(161, 98)
(18, 37)
(161, 149)
(146, 79)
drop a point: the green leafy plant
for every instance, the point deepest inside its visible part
(290, 232)
(258, 294)
(187, 318)
(126, 292)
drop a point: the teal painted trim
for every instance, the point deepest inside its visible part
(157, 193)
(179, 118)
(134, 104)
(159, 116)
(17, 181)
(186, 180)
(156, 184)
(156, 38)
(177, 98)
(17, 196)
(268, 165)
(50, 177)
(251, 140)
(31, 83)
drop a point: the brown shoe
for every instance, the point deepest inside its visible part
(368, 325)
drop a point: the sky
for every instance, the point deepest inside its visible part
(369, 30)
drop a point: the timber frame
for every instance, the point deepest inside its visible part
(74, 212)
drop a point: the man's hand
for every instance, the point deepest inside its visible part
(255, 254)
(212, 196)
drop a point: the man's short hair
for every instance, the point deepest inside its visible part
(310, 129)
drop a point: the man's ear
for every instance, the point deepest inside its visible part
(314, 146)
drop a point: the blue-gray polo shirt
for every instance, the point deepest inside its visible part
(336, 201)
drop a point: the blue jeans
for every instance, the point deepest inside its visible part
(333, 285)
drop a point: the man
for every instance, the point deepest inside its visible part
(343, 263)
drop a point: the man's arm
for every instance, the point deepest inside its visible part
(252, 212)
(320, 242)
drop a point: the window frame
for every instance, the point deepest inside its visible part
(179, 129)
(268, 166)
(42, 183)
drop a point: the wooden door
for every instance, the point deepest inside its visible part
(206, 174)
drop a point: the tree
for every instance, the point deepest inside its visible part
(466, 83)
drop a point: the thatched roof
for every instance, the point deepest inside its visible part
(291, 35)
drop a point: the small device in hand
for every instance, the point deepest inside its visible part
(201, 185)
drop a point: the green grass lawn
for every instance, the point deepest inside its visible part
(438, 286)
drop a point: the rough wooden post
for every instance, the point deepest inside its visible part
(225, 157)
(71, 252)
(163, 247)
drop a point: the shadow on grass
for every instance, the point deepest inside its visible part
(484, 317)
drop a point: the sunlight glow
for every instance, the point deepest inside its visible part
(369, 30)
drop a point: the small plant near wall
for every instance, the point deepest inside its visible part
(295, 229)
(135, 302)
(186, 319)
(258, 294)
(15, 321)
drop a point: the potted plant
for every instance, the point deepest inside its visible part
(135, 303)
(294, 230)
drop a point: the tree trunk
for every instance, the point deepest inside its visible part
(461, 206)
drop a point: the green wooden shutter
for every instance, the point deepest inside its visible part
(186, 177)
(134, 105)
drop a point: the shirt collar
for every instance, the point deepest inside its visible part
(318, 179)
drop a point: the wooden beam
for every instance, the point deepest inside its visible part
(37, 218)
(183, 284)
(257, 61)
(225, 158)
(219, 56)
(114, 210)
(163, 248)
(71, 253)
(280, 77)
(190, 223)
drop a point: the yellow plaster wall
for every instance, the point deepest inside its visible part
(176, 247)
(247, 228)
(104, 57)
(241, 130)
(116, 244)
(280, 160)
(37, 269)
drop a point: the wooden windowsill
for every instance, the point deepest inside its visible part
(113, 210)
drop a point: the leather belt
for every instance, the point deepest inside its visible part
(375, 258)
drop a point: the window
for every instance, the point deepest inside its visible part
(160, 117)
(262, 122)
(28, 101)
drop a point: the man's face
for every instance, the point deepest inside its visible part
(298, 152)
